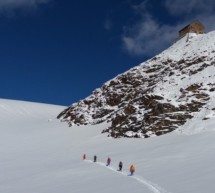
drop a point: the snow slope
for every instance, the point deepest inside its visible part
(38, 154)
(156, 97)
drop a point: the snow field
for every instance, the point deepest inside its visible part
(152, 187)
(39, 154)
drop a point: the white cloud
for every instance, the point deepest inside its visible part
(193, 9)
(149, 37)
(12, 5)
(190, 7)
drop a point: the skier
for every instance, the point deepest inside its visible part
(108, 161)
(120, 166)
(132, 169)
(95, 158)
(84, 156)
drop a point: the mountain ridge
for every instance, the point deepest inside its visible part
(156, 97)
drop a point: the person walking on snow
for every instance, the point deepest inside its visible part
(108, 161)
(84, 156)
(95, 158)
(132, 169)
(120, 166)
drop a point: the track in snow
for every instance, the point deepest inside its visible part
(151, 186)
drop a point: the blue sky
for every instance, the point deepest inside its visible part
(59, 51)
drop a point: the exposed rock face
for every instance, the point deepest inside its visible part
(154, 98)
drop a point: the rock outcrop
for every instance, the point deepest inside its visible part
(155, 97)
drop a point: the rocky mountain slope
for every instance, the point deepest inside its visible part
(157, 96)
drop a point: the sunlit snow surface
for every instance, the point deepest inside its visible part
(38, 154)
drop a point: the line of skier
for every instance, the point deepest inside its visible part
(132, 168)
